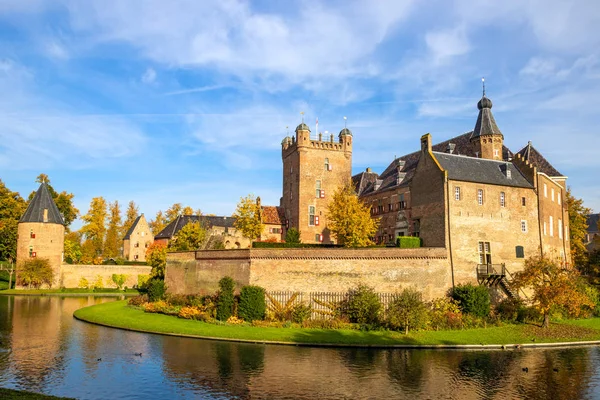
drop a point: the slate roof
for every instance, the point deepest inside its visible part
(592, 222)
(481, 170)
(42, 200)
(273, 215)
(182, 220)
(486, 124)
(530, 154)
(132, 228)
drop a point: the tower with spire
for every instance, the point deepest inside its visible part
(487, 140)
(41, 231)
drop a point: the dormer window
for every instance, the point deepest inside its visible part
(45, 215)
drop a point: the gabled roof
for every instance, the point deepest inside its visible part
(481, 170)
(207, 221)
(362, 180)
(273, 215)
(132, 227)
(42, 200)
(529, 153)
(592, 222)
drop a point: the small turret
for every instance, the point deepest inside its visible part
(302, 134)
(487, 140)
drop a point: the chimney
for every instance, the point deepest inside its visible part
(368, 170)
(450, 148)
(426, 143)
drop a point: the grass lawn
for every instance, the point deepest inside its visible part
(68, 292)
(119, 314)
(10, 394)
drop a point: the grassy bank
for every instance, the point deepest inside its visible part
(69, 292)
(10, 394)
(119, 314)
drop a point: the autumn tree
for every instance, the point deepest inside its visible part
(173, 212)
(552, 285)
(578, 214)
(72, 248)
(12, 207)
(112, 243)
(130, 216)
(158, 223)
(63, 200)
(248, 219)
(349, 219)
(187, 210)
(35, 272)
(190, 237)
(94, 227)
(156, 257)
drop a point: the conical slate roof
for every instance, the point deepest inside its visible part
(486, 124)
(41, 201)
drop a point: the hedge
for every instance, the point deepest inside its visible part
(273, 245)
(409, 242)
(252, 303)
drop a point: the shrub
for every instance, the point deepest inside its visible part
(326, 324)
(508, 309)
(192, 312)
(225, 299)
(119, 280)
(472, 299)
(301, 313)
(35, 272)
(233, 320)
(362, 305)
(83, 283)
(156, 289)
(292, 236)
(252, 303)
(407, 311)
(138, 300)
(98, 282)
(444, 313)
(142, 279)
(409, 242)
(180, 299)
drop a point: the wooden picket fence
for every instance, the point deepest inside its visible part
(320, 302)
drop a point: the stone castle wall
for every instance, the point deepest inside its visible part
(70, 275)
(312, 270)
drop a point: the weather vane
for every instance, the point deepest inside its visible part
(345, 118)
(302, 113)
(483, 83)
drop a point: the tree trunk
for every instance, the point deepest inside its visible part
(546, 322)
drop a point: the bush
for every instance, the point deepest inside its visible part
(444, 313)
(472, 299)
(407, 311)
(119, 280)
(156, 289)
(252, 303)
(508, 309)
(301, 313)
(98, 283)
(225, 299)
(138, 300)
(83, 283)
(35, 272)
(142, 279)
(292, 236)
(362, 305)
(409, 242)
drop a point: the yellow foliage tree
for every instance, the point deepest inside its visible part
(248, 219)
(349, 219)
(190, 237)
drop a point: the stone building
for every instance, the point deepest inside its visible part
(593, 229)
(313, 169)
(137, 239)
(273, 220)
(41, 231)
(219, 227)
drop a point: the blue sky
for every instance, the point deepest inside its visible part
(188, 101)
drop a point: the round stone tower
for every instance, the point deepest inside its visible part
(41, 231)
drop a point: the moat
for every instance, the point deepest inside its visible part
(43, 349)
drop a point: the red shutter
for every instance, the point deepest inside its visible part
(33, 254)
(33, 235)
(316, 220)
(320, 238)
(322, 194)
(330, 167)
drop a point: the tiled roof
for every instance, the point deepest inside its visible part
(530, 154)
(42, 200)
(592, 222)
(206, 220)
(481, 170)
(132, 228)
(273, 215)
(362, 180)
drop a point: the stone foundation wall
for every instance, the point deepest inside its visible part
(311, 270)
(70, 275)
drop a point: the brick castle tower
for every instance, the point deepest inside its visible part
(313, 169)
(41, 231)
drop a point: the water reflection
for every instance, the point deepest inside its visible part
(43, 348)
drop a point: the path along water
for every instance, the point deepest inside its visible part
(43, 349)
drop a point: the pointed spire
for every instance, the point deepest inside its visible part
(42, 208)
(486, 124)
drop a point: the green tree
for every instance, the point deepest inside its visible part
(553, 285)
(578, 214)
(292, 236)
(190, 237)
(248, 218)
(63, 200)
(156, 257)
(158, 223)
(94, 227)
(130, 216)
(35, 272)
(12, 208)
(72, 249)
(225, 298)
(407, 311)
(349, 219)
(112, 244)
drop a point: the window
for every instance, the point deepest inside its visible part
(496, 152)
(311, 215)
(327, 166)
(485, 253)
(520, 252)
(318, 189)
(135, 257)
(31, 234)
(545, 190)
(523, 226)
(552, 194)
(551, 226)
(416, 227)
(480, 197)
(274, 230)
(558, 196)
(502, 199)
(143, 233)
(390, 207)
(318, 238)
(457, 193)
(402, 203)
(560, 235)
(523, 203)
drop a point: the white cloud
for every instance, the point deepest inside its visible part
(149, 76)
(447, 43)
(56, 50)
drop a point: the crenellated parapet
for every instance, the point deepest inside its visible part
(528, 170)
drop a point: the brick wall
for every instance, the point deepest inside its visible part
(310, 270)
